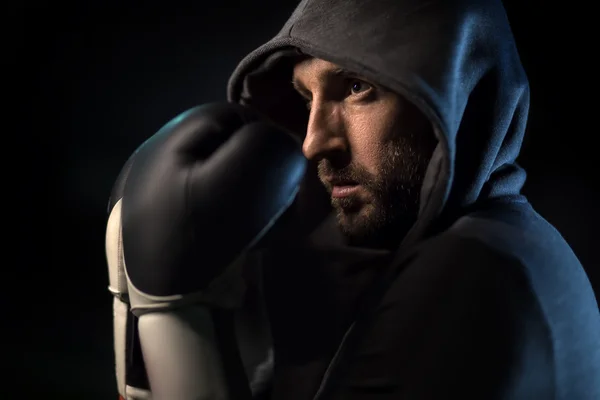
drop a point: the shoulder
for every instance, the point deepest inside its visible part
(486, 291)
(538, 255)
(515, 265)
(460, 309)
(468, 269)
(468, 273)
(514, 248)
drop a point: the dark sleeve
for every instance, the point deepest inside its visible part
(253, 332)
(461, 321)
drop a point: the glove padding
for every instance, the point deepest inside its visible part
(201, 192)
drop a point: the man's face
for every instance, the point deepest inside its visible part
(372, 147)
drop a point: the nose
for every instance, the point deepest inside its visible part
(325, 133)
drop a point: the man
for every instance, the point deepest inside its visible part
(429, 277)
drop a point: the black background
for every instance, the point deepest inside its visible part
(89, 81)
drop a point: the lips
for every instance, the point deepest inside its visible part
(341, 188)
(343, 191)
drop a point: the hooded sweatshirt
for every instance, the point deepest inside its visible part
(483, 298)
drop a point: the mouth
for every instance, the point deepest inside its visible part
(342, 188)
(343, 191)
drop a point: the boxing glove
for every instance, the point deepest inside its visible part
(187, 207)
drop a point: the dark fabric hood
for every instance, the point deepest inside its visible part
(456, 60)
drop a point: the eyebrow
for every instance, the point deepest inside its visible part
(335, 72)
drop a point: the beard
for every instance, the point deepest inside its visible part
(386, 205)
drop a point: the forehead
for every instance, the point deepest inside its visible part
(311, 66)
(312, 71)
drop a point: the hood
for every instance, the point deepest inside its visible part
(456, 60)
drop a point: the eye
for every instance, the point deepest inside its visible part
(357, 87)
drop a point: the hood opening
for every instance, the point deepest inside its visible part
(266, 87)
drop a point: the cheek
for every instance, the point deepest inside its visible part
(370, 133)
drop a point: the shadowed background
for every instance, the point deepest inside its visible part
(92, 80)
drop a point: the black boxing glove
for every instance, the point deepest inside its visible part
(191, 201)
(200, 192)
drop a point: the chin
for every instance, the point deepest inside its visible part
(368, 226)
(358, 225)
